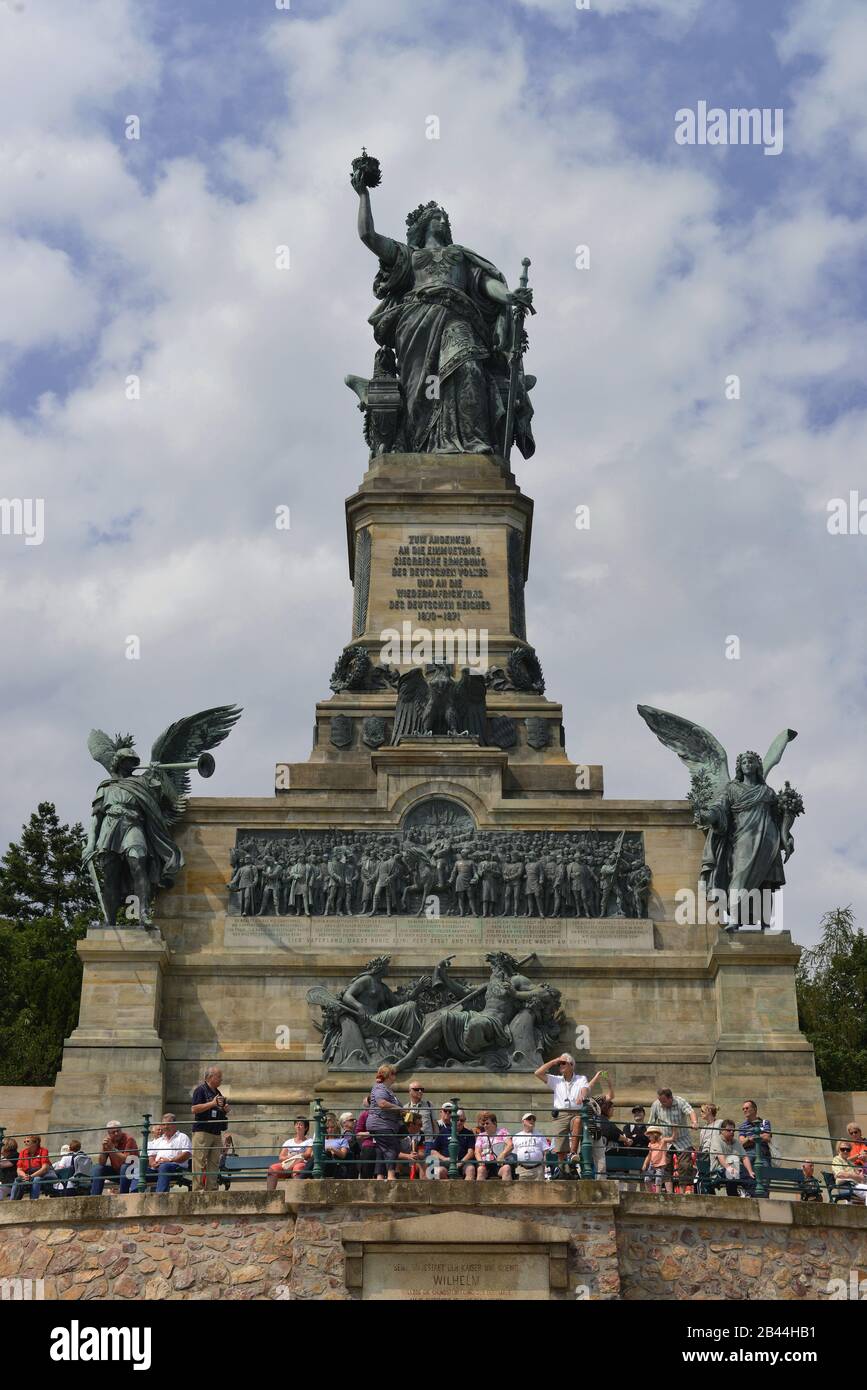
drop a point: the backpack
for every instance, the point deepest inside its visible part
(82, 1173)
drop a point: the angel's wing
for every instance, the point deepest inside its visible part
(777, 749)
(360, 385)
(696, 747)
(471, 697)
(101, 748)
(412, 692)
(184, 740)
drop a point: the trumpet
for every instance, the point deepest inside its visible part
(204, 765)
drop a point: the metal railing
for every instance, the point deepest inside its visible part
(581, 1154)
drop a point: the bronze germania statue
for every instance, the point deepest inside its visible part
(448, 377)
(130, 834)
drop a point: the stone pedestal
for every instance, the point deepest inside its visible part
(441, 543)
(114, 1063)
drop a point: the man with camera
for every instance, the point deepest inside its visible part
(210, 1110)
(570, 1090)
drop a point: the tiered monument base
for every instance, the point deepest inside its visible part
(474, 775)
(654, 1003)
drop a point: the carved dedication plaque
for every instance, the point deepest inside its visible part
(452, 1272)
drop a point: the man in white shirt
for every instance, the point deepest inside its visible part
(61, 1170)
(570, 1091)
(169, 1152)
(529, 1149)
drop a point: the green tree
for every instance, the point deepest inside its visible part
(42, 875)
(46, 902)
(832, 1001)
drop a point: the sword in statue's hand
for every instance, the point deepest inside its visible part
(519, 311)
(91, 869)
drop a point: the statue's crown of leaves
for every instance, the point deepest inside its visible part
(124, 741)
(413, 217)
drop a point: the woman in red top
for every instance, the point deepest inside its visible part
(33, 1165)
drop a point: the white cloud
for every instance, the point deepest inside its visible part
(42, 299)
(64, 65)
(830, 118)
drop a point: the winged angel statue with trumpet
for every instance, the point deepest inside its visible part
(748, 823)
(130, 834)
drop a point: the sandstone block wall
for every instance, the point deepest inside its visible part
(297, 1244)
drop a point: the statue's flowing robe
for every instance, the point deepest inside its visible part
(743, 850)
(449, 334)
(133, 819)
(356, 1043)
(524, 1039)
(488, 1029)
(488, 1032)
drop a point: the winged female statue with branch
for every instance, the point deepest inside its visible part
(748, 823)
(130, 835)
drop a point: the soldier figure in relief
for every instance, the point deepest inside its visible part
(369, 866)
(488, 874)
(317, 884)
(535, 888)
(463, 879)
(441, 851)
(337, 900)
(300, 891)
(244, 882)
(639, 887)
(271, 875)
(559, 886)
(385, 884)
(513, 879)
(611, 886)
(581, 884)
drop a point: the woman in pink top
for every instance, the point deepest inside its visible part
(493, 1147)
(658, 1162)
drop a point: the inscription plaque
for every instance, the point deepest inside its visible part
(522, 934)
(438, 576)
(454, 1273)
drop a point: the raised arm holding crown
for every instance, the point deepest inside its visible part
(445, 315)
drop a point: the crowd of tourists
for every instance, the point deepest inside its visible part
(171, 1154)
(390, 1137)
